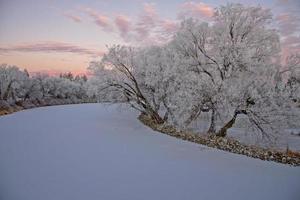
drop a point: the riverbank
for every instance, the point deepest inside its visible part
(226, 144)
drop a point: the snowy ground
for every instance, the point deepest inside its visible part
(94, 152)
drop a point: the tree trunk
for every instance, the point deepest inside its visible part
(26, 96)
(166, 116)
(13, 95)
(168, 112)
(6, 93)
(195, 114)
(156, 117)
(223, 131)
(212, 127)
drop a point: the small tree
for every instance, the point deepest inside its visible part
(11, 79)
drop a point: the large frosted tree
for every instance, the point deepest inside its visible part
(226, 68)
(234, 60)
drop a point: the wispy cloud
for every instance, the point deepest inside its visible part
(73, 17)
(292, 41)
(288, 24)
(101, 20)
(146, 21)
(290, 45)
(169, 26)
(150, 28)
(51, 47)
(145, 28)
(195, 9)
(123, 24)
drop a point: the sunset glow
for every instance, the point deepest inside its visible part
(56, 36)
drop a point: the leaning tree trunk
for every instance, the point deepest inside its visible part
(223, 131)
(155, 116)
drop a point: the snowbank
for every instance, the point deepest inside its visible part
(91, 151)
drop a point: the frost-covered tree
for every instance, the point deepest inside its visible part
(67, 75)
(40, 79)
(293, 83)
(226, 68)
(18, 86)
(11, 79)
(29, 89)
(233, 59)
(61, 88)
(121, 74)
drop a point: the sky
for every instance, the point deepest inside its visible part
(57, 36)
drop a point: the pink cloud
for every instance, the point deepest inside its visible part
(291, 41)
(147, 21)
(75, 18)
(51, 47)
(149, 9)
(169, 25)
(99, 19)
(283, 17)
(291, 44)
(193, 9)
(288, 24)
(147, 29)
(123, 24)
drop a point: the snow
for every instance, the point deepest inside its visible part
(93, 151)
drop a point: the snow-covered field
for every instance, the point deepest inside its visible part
(95, 152)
